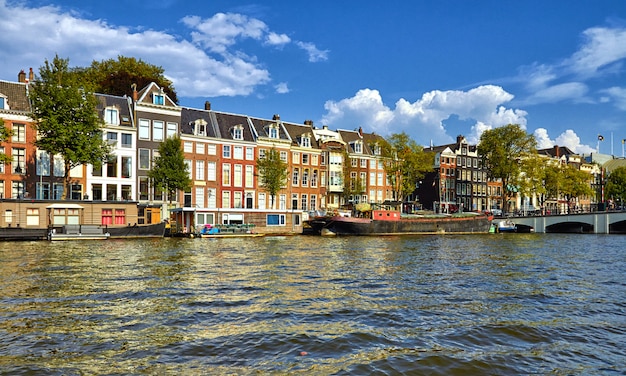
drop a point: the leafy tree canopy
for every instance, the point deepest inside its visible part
(272, 172)
(4, 136)
(502, 150)
(405, 162)
(616, 184)
(66, 119)
(116, 77)
(169, 171)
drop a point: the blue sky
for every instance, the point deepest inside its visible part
(433, 69)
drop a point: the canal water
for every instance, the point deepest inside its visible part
(441, 305)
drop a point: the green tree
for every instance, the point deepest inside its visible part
(65, 118)
(116, 77)
(170, 173)
(577, 184)
(533, 182)
(352, 186)
(272, 172)
(616, 185)
(502, 150)
(405, 163)
(5, 133)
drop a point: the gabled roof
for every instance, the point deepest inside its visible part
(226, 123)
(261, 126)
(189, 117)
(122, 104)
(296, 131)
(556, 151)
(16, 94)
(144, 96)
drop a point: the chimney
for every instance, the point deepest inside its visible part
(557, 151)
(207, 105)
(31, 75)
(361, 132)
(21, 77)
(276, 117)
(325, 127)
(135, 95)
(308, 122)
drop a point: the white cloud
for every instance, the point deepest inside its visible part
(602, 48)
(575, 91)
(282, 88)
(543, 139)
(569, 138)
(206, 65)
(315, 55)
(616, 95)
(424, 119)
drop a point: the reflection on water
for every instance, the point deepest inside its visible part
(512, 304)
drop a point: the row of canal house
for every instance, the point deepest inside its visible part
(220, 149)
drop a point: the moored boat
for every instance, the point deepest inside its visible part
(506, 225)
(392, 222)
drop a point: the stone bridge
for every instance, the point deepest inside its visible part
(588, 223)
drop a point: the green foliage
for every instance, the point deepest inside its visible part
(4, 136)
(534, 175)
(577, 183)
(352, 186)
(115, 77)
(66, 118)
(616, 184)
(169, 171)
(501, 150)
(272, 172)
(405, 163)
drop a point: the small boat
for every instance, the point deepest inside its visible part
(392, 222)
(210, 231)
(506, 225)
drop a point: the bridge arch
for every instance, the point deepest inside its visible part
(570, 228)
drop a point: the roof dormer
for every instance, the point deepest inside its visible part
(237, 132)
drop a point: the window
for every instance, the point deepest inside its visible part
(18, 165)
(127, 167)
(212, 192)
(126, 192)
(120, 216)
(305, 159)
(294, 201)
(262, 201)
(111, 192)
(249, 176)
(199, 196)
(107, 216)
(17, 188)
(43, 191)
(3, 102)
(305, 141)
(282, 202)
(127, 140)
(43, 163)
(238, 132)
(314, 160)
(199, 127)
(144, 129)
(249, 154)
(237, 201)
(212, 149)
(313, 202)
(225, 199)
(295, 178)
(238, 176)
(305, 178)
(96, 192)
(158, 98)
(226, 151)
(199, 170)
(262, 153)
(19, 132)
(358, 147)
(295, 157)
(112, 138)
(143, 188)
(157, 130)
(314, 179)
(275, 219)
(238, 152)
(200, 148)
(112, 167)
(144, 159)
(283, 156)
(304, 200)
(363, 163)
(111, 116)
(172, 129)
(225, 174)
(188, 147)
(211, 171)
